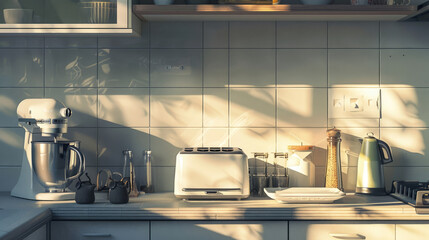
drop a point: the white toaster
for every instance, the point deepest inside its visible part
(211, 173)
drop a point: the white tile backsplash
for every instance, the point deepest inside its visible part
(408, 146)
(404, 35)
(176, 68)
(353, 34)
(70, 42)
(216, 34)
(404, 68)
(10, 98)
(123, 107)
(88, 143)
(302, 68)
(165, 143)
(123, 68)
(176, 34)
(21, 67)
(71, 68)
(11, 146)
(216, 68)
(253, 140)
(215, 107)
(261, 34)
(82, 101)
(252, 107)
(176, 107)
(405, 107)
(8, 178)
(301, 34)
(22, 42)
(260, 86)
(134, 42)
(302, 107)
(353, 68)
(252, 67)
(215, 137)
(112, 141)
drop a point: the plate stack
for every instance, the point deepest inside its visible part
(304, 194)
(99, 11)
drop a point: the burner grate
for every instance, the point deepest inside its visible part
(412, 192)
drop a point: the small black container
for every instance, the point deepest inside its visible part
(85, 191)
(118, 192)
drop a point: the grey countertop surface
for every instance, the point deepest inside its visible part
(17, 214)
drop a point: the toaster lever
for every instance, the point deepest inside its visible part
(212, 192)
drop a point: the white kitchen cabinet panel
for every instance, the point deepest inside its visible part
(39, 234)
(219, 230)
(412, 230)
(114, 230)
(322, 230)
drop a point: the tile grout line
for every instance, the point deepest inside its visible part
(149, 84)
(229, 85)
(379, 79)
(97, 109)
(327, 75)
(44, 66)
(202, 85)
(276, 137)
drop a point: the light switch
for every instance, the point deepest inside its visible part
(358, 103)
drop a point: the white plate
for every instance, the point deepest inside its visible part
(304, 195)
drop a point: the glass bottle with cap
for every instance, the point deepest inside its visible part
(333, 165)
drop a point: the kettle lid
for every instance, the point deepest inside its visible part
(370, 135)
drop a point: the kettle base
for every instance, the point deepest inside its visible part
(371, 191)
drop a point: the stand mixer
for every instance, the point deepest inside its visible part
(49, 164)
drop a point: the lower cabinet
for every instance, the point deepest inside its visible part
(39, 234)
(219, 230)
(331, 230)
(412, 230)
(115, 230)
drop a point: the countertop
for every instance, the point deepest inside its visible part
(19, 214)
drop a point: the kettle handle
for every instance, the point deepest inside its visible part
(389, 158)
(81, 162)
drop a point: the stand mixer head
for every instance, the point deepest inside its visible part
(44, 114)
(49, 165)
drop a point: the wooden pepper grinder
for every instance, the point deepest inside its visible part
(333, 164)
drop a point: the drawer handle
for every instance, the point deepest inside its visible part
(347, 236)
(96, 234)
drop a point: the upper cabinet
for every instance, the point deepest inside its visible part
(68, 16)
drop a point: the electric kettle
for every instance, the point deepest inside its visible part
(370, 178)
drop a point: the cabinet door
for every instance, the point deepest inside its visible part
(412, 230)
(336, 230)
(42, 14)
(115, 230)
(219, 230)
(39, 234)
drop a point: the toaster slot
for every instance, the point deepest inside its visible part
(202, 149)
(210, 190)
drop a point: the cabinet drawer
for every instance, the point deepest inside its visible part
(412, 231)
(335, 230)
(109, 230)
(219, 230)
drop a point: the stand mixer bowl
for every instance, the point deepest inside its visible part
(57, 164)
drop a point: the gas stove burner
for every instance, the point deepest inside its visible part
(414, 193)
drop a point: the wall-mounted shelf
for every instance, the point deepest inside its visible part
(274, 12)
